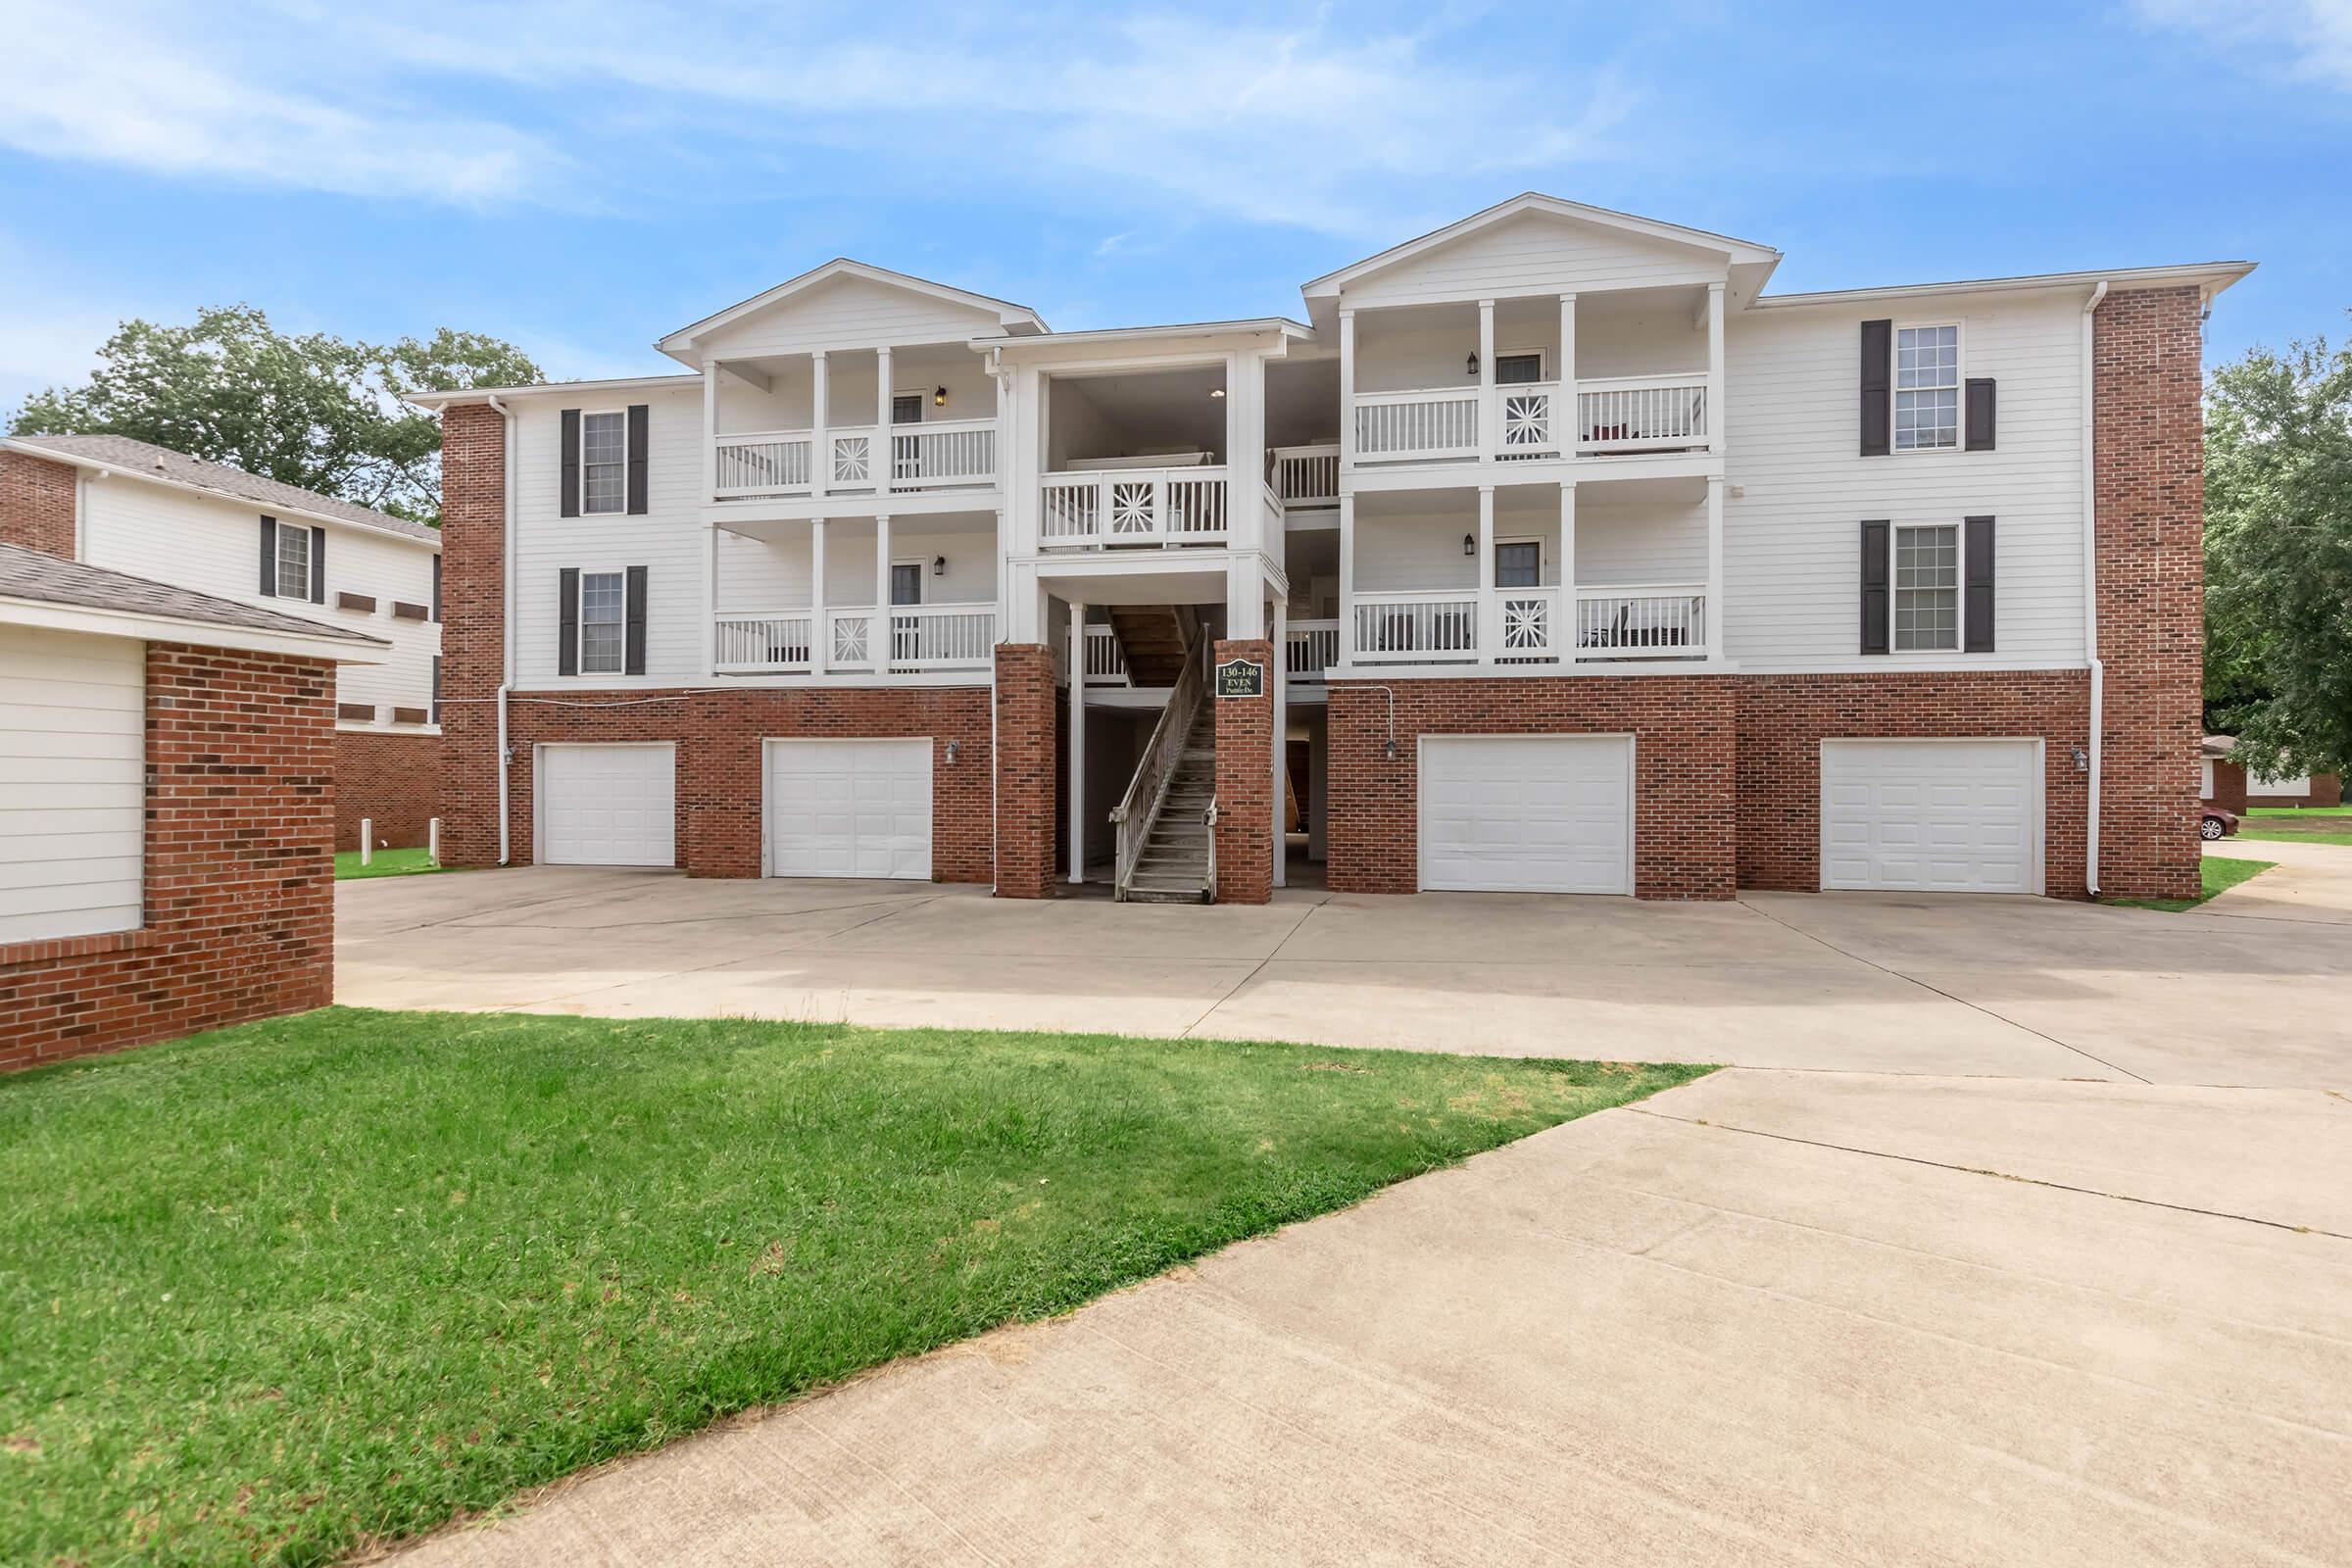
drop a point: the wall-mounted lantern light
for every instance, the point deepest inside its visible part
(939, 565)
(1471, 369)
(939, 397)
(1469, 544)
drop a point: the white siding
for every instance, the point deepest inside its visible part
(790, 402)
(754, 574)
(1791, 544)
(73, 783)
(212, 545)
(1632, 544)
(1536, 253)
(848, 313)
(667, 540)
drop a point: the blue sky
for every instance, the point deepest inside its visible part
(583, 176)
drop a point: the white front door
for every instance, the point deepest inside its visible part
(850, 808)
(1527, 814)
(607, 804)
(1932, 816)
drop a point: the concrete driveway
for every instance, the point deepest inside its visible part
(2025, 1234)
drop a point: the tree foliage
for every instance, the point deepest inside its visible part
(2278, 558)
(314, 410)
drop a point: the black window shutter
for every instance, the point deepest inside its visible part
(635, 655)
(317, 566)
(436, 707)
(436, 587)
(1977, 409)
(1975, 595)
(571, 463)
(1873, 587)
(567, 617)
(269, 556)
(640, 417)
(1878, 396)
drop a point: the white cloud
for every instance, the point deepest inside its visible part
(2306, 39)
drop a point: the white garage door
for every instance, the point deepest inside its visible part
(607, 804)
(73, 783)
(858, 808)
(1932, 816)
(1527, 814)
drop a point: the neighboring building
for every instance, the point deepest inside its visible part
(1591, 567)
(167, 816)
(134, 506)
(2228, 785)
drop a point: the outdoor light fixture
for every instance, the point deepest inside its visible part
(953, 748)
(939, 565)
(1472, 367)
(1469, 544)
(1217, 391)
(939, 397)
(1390, 748)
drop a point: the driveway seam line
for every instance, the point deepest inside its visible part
(1913, 979)
(1997, 1175)
(1257, 969)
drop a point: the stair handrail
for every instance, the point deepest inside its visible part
(1139, 808)
(1208, 820)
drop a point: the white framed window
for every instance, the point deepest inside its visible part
(605, 461)
(1927, 588)
(604, 622)
(293, 561)
(1518, 367)
(906, 407)
(907, 581)
(1518, 562)
(1927, 387)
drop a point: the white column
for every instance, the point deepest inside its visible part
(821, 440)
(1346, 393)
(709, 599)
(1567, 418)
(1346, 576)
(1490, 427)
(1490, 608)
(885, 644)
(820, 635)
(1714, 610)
(1280, 675)
(1565, 631)
(1245, 598)
(883, 445)
(1077, 762)
(1715, 420)
(710, 431)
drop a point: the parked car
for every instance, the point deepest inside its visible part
(2218, 824)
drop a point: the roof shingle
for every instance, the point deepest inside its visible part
(35, 574)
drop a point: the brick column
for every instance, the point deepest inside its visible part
(474, 612)
(2150, 451)
(1025, 770)
(1245, 781)
(36, 504)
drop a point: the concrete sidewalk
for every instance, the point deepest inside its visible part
(1766, 1318)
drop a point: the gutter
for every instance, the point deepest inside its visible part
(2090, 595)
(506, 617)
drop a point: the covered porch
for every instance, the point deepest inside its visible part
(857, 595)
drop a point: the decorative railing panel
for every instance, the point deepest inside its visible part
(1101, 509)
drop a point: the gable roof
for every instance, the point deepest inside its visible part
(1740, 252)
(1018, 319)
(39, 578)
(144, 459)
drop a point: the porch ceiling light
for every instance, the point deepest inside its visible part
(939, 397)
(1217, 391)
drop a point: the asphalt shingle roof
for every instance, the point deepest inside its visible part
(26, 573)
(146, 457)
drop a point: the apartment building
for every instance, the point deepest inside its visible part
(1548, 552)
(132, 507)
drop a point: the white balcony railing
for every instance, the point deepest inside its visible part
(1105, 662)
(1314, 647)
(1396, 426)
(1418, 626)
(912, 638)
(1645, 622)
(1527, 421)
(939, 453)
(1306, 478)
(1103, 508)
(1642, 414)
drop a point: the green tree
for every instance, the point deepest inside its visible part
(2278, 558)
(314, 410)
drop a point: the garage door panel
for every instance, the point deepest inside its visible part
(607, 804)
(1942, 816)
(850, 809)
(1538, 815)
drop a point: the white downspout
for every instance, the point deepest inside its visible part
(506, 616)
(2090, 595)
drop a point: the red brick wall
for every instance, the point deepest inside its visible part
(1683, 768)
(1245, 781)
(2235, 792)
(2148, 448)
(719, 785)
(1783, 719)
(2229, 786)
(239, 869)
(389, 780)
(36, 504)
(474, 564)
(1027, 824)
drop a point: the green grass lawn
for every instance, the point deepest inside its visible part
(281, 1290)
(384, 862)
(2220, 874)
(2292, 824)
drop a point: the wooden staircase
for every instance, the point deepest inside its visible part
(1151, 640)
(1177, 864)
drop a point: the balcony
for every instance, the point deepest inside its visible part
(935, 455)
(1314, 647)
(910, 639)
(1612, 624)
(1304, 479)
(1624, 414)
(1120, 506)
